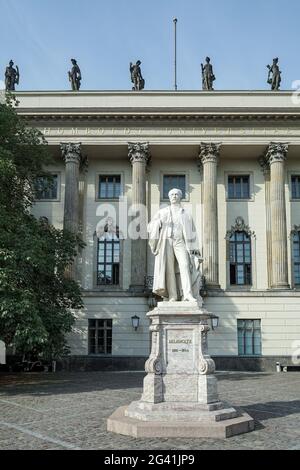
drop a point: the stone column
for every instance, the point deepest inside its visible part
(266, 171)
(209, 154)
(275, 156)
(139, 156)
(71, 153)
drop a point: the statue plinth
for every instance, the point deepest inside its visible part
(180, 396)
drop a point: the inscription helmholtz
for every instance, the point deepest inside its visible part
(185, 341)
(168, 131)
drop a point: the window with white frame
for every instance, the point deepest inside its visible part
(108, 259)
(296, 256)
(238, 187)
(249, 337)
(240, 258)
(109, 186)
(295, 180)
(46, 187)
(100, 336)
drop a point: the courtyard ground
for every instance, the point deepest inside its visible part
(69, 410)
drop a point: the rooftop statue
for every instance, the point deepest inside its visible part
(12, 77)
(173, 241)
(75, 75)
(136, 76)
(275, 80)
(207, 75)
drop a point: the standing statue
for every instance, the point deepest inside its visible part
(75, 75)
(276, 75)
(12, 77)
(207, 75)
(173, 241)
(136, 76)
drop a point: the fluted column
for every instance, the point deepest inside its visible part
(275, 156)
(266, 171)
(71, 153)
(209, 154)
(139, 155)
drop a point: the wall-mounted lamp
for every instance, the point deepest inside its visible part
(135, 320)
(214, 322)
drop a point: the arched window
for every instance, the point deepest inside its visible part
(296, 256)
(240, 253)
(108, 258)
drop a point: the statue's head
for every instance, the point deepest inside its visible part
(74, 62)
(275, 60)
(207, 59)
(138, 62)
(11, 63)
(175, 195)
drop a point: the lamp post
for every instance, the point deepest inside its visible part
(214, 322)
(135, 320)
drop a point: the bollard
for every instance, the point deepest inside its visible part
(278, 369)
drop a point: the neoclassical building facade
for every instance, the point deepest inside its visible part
(235, 156)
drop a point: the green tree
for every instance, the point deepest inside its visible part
(36, 298)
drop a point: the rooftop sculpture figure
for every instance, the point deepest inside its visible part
(207, 75)
(75, 75)
(12, 77)
(275, 80)
(136, 76)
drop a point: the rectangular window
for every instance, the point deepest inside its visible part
(296, 257)
(46, 187)
(295, 186)
(108, 262)
(239, 187)
(100, 336)
(249, 337)
(109, 186)
(173, 181)
(240, 259)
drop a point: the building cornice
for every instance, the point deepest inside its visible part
(151, 116)
(158, 106)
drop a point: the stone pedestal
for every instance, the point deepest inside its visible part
(180, 393)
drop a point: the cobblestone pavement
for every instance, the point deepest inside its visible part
(69, 411)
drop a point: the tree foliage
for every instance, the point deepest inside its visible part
(36, 298)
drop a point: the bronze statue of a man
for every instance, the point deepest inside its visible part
(75, 75)
(207, 75)
(275, 80)
(12, 77)
(136, 76)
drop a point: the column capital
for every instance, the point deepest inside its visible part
(138, 152)
(71, 152)
(209, 152)
(276, 152)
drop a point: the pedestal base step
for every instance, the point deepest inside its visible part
(119, 423)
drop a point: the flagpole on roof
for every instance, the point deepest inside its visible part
(175, 53)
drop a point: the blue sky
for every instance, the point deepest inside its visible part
(240, 36)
